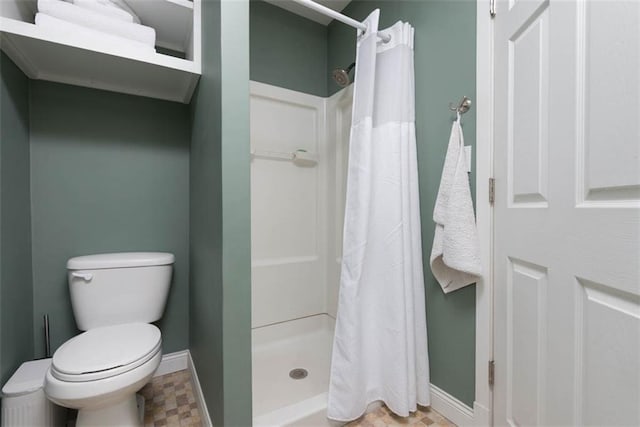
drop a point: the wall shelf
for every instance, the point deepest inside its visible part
(172, 19)
(63, 58)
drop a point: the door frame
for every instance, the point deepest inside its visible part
(483, 404)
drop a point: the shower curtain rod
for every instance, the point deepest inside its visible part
(338, 17)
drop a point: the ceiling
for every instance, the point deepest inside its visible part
(308, 13)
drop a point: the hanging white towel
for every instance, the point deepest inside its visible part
(455, 256)
(95, 21)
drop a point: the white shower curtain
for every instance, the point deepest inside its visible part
(380, 344)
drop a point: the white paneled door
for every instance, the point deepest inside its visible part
(567, 213)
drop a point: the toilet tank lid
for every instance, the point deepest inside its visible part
(28, 378)
(120, 260)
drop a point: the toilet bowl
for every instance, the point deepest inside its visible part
(115, 297)
(99, 371)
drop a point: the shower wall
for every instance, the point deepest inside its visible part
(297, 211)
(290, 205)
(294, 255)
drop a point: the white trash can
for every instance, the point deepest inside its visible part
(24, 403)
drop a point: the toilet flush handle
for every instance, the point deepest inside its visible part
(84, 276)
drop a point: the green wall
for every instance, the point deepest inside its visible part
(445, 71)
(287, 50)
(109, 173)
(16, 310)
(236, 212)
(84, 171)
(220, 299)
(205, 231)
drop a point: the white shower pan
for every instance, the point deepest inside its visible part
(278, 399)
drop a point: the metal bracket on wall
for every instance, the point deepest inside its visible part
(492, 8)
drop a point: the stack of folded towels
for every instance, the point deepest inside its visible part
(109, 22)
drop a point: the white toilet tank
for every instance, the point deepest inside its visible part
(111, 289)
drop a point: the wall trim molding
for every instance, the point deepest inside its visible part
(484, 211)
(202, 404)
(179, 361)
(450, 407)
(173, 362)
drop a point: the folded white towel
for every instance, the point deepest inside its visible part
(106, 8)
(122, 4)
(96, 38)
(455, 256)
(90, 19)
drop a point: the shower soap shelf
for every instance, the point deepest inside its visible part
(64, 57)
(299, 157)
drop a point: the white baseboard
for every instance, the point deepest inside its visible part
(450, 407)
(202, 404)
(173, 362)
(179, 361)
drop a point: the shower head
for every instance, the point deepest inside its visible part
(342, 76)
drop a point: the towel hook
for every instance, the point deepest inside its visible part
(463, 106)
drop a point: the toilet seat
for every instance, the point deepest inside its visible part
(106, 352)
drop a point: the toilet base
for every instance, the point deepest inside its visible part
(123, 413)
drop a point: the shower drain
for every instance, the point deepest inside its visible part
(298, 373)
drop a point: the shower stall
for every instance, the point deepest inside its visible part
(299, 147)
(302, 197)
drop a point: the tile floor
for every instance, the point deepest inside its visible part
(169, 401)
(383, 417)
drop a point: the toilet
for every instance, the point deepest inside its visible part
(115, 297)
